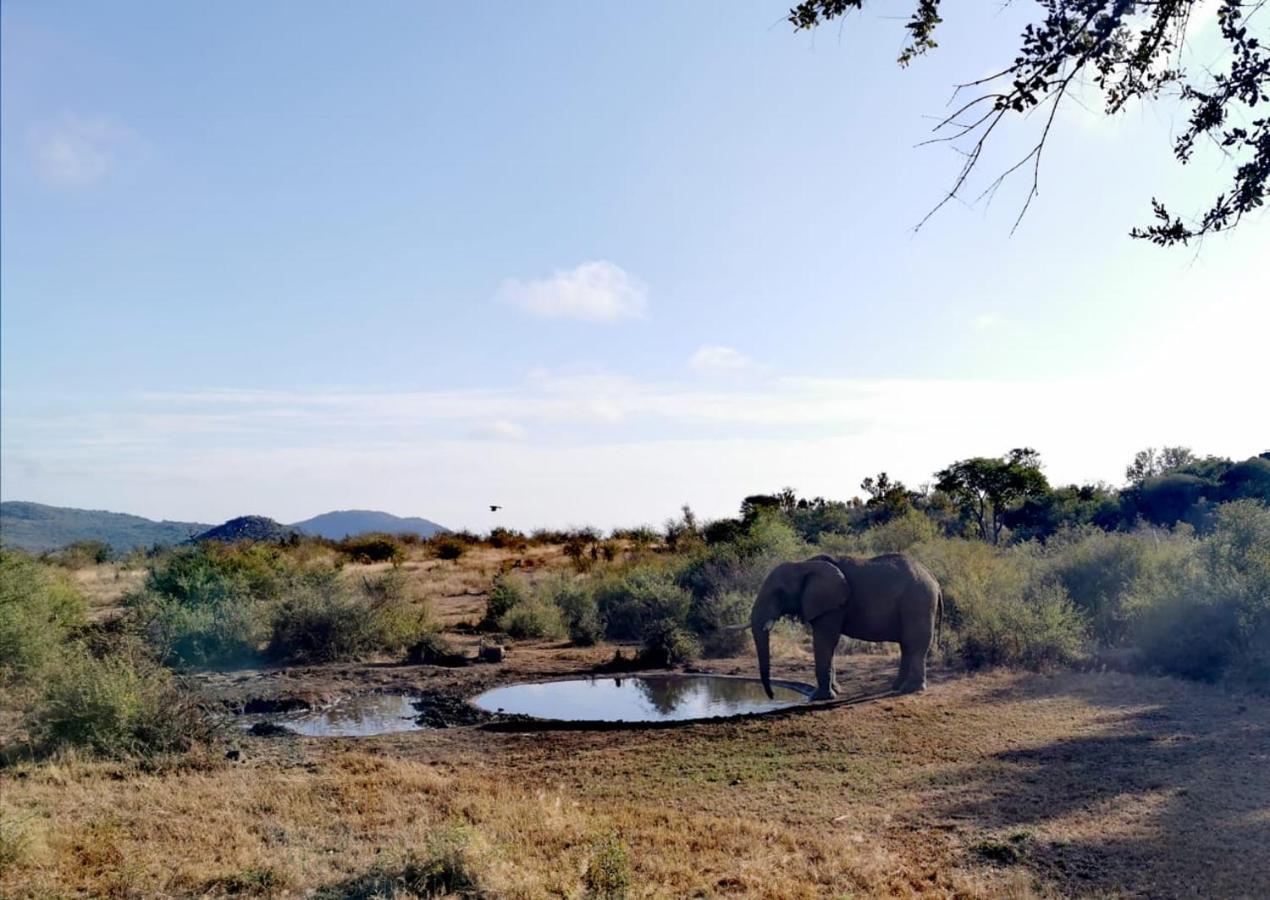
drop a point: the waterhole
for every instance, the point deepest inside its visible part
(640, 698)
(359, 715)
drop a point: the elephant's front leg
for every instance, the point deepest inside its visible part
(825, 632)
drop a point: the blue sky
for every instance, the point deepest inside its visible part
(588, 261)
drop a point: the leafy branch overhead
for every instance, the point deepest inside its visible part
(1129, 51)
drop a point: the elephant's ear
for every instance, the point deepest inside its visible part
(824, 589)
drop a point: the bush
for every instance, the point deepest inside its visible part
(532, 618)
(115, 706)
(38, 608)
(1211, 617)
(577, 608)
(711, 618)
(1100, 570)
(323, 621)
(507, 591)
(608, 872)
(447, 546)
(1040, 627)
(373, 548)
(212, 572)
(218, 633)
(446, 868)
(629, 602)
(666, 643)
(1003, 606)
(902, 532)
(507, 539)
(82, 554)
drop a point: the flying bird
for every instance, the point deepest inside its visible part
(493, 508)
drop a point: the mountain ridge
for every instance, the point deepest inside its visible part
(342, 523)
(40, 527)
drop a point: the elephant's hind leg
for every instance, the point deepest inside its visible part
(912, 670)
(902, 675)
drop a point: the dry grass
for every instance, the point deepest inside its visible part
(105, 585)
(1002, 784)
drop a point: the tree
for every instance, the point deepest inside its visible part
(986, 488)
(1131, 51)
(887, 498)
(1150, 463)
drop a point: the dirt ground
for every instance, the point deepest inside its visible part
(1000, 784)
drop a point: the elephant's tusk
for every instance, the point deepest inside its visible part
(741, 627)
(771, 623)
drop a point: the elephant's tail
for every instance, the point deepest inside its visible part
(939, 622)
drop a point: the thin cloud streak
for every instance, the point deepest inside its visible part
(596, 291)
(597, 448)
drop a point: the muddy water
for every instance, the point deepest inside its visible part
(645, 698)
(360, 715)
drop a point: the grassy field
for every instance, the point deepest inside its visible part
(1002, 784)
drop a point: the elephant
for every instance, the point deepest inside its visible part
(891, 597)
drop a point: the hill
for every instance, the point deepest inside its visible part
(348, 522)
(247, 528)
(36, 527)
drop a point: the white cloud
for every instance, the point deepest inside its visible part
(596, 291)
(714, 359)
(498, 430)
(73, 151)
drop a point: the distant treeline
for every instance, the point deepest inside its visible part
(1009, 499)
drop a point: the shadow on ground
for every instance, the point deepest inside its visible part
(1170, 796)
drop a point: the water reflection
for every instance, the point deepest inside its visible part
(356, 716)
(646, 698)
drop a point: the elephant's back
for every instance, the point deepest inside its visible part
(904, 563)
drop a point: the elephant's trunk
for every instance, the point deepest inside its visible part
(762, 644)
(763, 616)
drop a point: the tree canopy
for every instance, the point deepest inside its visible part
(988, 487)
(1130, 51)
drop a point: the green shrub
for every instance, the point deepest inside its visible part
(665, 643)
(1037, 628)
(1003, 606)
(533, 618)
(629, 602)
(711, 618)
(507, 591)
(324, 621)
(1210, 617)
(399, 619)
(1108, 575)
(114, 706)
(577, 607)
(38, 608)
(223, 632)
(213, 572)
(902, 532)
(373, 548)
(82, 554)
(771, 538)
(608, 871)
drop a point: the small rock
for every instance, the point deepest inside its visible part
(492, 653)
